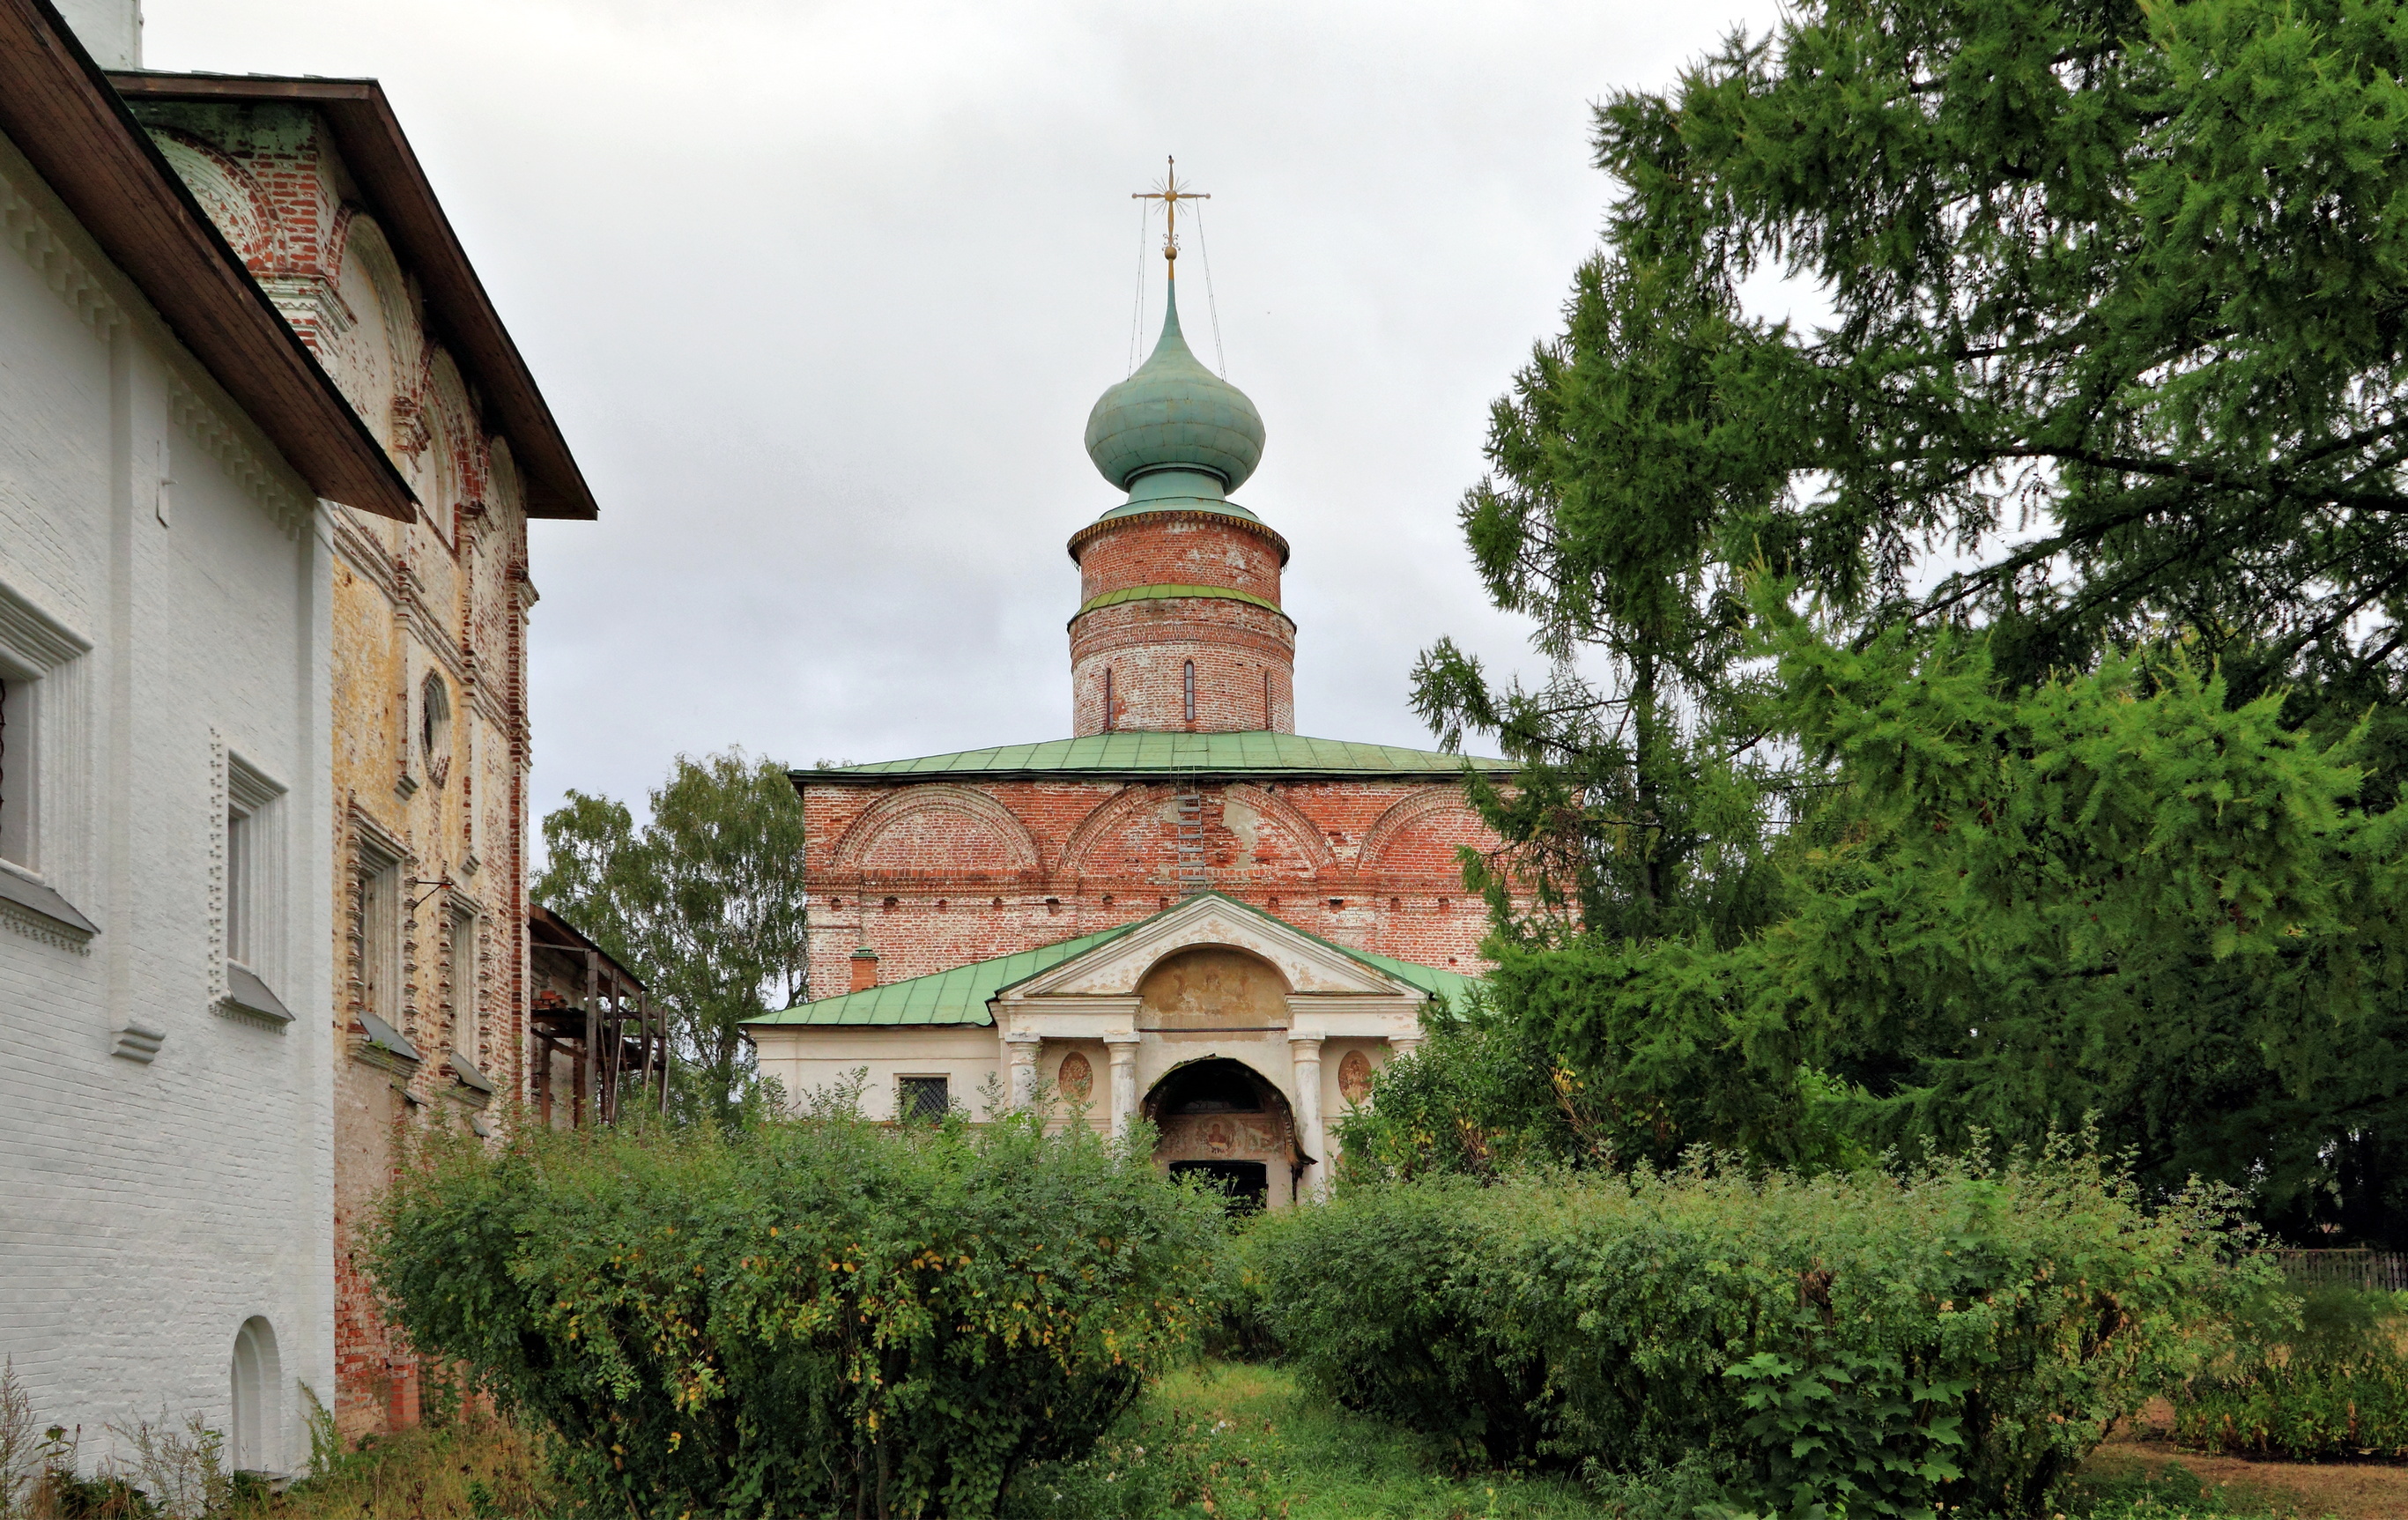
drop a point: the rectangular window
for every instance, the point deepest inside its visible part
(923, 1098)
(240, 843)
(18, 774)
(255, 872)
(463, 968)
(379, 940)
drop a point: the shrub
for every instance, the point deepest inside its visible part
(2317, 1374)
(1958, 1333)
(813, 1316)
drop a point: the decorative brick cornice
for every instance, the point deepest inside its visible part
(1096, 530)
(75, 281)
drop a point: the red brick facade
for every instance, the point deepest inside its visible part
(1193, 663)
(932, 875)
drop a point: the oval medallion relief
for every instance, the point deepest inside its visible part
(1355, 1076)
(1074, 1078)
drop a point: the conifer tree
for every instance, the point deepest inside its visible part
(2109, 383)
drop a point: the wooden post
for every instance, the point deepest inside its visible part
(589, 1065)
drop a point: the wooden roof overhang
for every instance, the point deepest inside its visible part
(386, 170)
(59, 109)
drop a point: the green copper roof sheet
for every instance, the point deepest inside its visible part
(961, 995)
(1179, 504)
(1155, 593)
(1141, 751)
(955, 997)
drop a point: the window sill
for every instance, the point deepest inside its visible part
(35, 909)
(379, 1044)
(249, 1000)
(464, 1072)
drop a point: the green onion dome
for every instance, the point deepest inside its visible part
(1174, 415)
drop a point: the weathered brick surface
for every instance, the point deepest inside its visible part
(936, 874)
(1194, 549)
(1244, 657)
(444, 597)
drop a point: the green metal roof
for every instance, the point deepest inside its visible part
(1146, 752)
(1151, 593)
(955, 997)
(961, 995)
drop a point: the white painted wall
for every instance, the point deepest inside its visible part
(150, 1210)
(109, 30)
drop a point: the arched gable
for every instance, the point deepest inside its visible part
(940, 830)
(380, 361)
(226, 191)
(1420, 832)
(1254, 834)
(450, 467)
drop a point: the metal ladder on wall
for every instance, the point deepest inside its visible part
(1190, 840)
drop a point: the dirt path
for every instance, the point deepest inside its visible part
(2346, 1490)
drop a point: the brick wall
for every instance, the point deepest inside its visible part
(1244, 657)
(443, 599)
(1194, 549)
(936, 874)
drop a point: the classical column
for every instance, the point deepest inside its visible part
(1020, 1061)
(1405, 1044)
(1122, 1051)
(1305, 1052)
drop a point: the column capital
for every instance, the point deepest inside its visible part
(1305, 1044)
(1120, 1040)
(1023, 1037)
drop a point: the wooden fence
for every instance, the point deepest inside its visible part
(2376, 1270)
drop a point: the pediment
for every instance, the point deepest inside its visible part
(1116, 968)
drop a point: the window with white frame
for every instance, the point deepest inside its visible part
(254, 870)
(19, 770)
(45, 764)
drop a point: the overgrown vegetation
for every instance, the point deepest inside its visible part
(809, 1317)
(2321, 1374)
(1961, 1333)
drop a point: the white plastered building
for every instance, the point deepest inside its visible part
(165, 902)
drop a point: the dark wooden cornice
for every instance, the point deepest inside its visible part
(399, 195)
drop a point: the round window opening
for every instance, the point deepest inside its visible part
(434, 727)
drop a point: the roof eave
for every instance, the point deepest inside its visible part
(381, 161)
(57, 108)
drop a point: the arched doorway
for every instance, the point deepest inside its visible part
(258, 1398)
(1225, 1121)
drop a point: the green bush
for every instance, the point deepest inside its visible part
(2319, 1373)
(1958, 1333)
(810, 1317)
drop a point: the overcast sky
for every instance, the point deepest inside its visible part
(821, 294)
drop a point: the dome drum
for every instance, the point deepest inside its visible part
(1243, 657)
(1192, 549)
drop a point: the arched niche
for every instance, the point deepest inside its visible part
(258, 1374)
(1212, 987)
(1224, 1121)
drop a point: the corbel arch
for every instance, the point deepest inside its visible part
(1310, 842)
(381, 361)
(228, 192)
(901, 810)
(1418, 808)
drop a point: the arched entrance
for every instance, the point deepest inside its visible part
(1225, 1121)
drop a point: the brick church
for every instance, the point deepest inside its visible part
(1185, 911)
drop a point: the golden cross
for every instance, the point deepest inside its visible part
(1171, 192)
